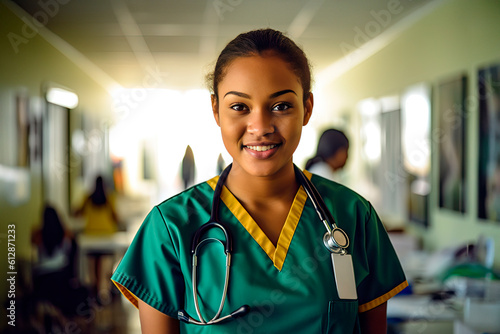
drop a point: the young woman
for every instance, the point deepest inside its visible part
(280, 269)
(100, 220)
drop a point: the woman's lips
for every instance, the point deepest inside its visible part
(261, 151)
(261, 148)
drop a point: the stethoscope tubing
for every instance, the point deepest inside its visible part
(335, 239)
(329, 239)
(196, 244)
(195, 278)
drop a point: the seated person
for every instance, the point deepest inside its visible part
(54, 274)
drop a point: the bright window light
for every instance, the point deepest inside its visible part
(416, 113)
(372, 144)
(370, 129)
(166, 121)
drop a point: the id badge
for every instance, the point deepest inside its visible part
(344, 276)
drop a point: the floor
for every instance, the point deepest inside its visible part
(423, 327)
(104, 313)
(117, 315)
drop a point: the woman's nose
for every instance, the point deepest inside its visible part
(260, 122)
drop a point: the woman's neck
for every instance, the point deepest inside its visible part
(281, 186)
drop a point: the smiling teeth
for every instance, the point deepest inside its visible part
(261, 148)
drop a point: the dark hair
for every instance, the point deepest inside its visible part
(329, 143)
(98, 197)
(256, 42)
(52, 230)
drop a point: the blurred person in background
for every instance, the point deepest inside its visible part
(100, 220)
(54, 267)
(331, 155)
(188, 168)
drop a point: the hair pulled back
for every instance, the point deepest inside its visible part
(329, 143)
(98, 197)
(257, 42)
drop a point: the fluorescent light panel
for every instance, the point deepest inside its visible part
(62, 97)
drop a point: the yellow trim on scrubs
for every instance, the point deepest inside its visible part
(276, 254)
(127, 294)
(288, 230)
(382, 299)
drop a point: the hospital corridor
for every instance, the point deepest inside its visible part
(110, 112)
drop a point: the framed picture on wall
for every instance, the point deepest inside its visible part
(489, 143)
(35, 132)
(23, 129)
(450, 135)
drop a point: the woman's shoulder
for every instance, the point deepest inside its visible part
(197, 192)
(341, 193)
(193, 201)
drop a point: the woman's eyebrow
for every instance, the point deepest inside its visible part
(272, 96)
(240, 94)
(281, 92)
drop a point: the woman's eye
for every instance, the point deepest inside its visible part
(281, 107)
(239, 107)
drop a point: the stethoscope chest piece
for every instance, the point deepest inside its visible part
(336, 241)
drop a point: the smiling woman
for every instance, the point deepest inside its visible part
(261, 114)
(265, 211)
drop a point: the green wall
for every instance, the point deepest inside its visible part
(24, 71)
(457, 37)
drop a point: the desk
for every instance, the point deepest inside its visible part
(419, 314)
(417, 307)
(115, 244)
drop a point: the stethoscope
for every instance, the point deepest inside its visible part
(335, 240)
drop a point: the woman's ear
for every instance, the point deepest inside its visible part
(308, 107)
(215, 108)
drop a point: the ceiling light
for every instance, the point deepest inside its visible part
(62, 97)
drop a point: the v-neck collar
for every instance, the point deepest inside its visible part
(277, 253)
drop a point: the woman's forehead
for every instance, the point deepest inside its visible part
(261, 71)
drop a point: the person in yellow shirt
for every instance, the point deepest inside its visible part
(100, 220)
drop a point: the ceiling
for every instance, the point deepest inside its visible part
(174, 43)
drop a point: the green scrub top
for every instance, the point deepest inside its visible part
(290, 288)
